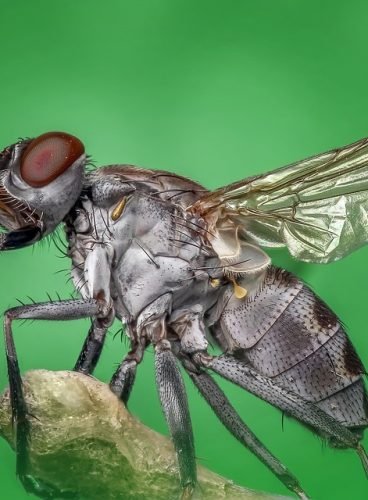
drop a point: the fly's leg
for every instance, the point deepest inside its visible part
(97, 274)
(152, 325)
(289, 402)
(227, 414)
(63, 310)
(123, 379)
(174, 403)
(92, 347)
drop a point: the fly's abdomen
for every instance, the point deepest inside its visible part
(287, 333)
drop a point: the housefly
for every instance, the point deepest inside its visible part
(179, 266)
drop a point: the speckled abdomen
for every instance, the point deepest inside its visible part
(287, 333)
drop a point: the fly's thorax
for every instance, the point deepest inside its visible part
(137, 250)
(90, 250)
(161, 258)
(146, 219)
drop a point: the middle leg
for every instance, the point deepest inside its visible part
(152, 325)
(92, 347)
(174, 403)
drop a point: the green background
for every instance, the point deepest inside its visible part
(214, 90)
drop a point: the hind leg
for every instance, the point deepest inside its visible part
(289, 402)
(232, 421)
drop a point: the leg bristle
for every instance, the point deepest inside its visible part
(363, 458)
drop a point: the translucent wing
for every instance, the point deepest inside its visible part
(317, 208)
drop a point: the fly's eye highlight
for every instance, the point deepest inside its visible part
(48, 156)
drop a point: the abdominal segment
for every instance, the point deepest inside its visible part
(289, 334)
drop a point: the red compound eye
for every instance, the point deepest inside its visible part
(48, 156)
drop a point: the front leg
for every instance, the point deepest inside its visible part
(63, 310)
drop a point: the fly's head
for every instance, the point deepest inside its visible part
(40, 181)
